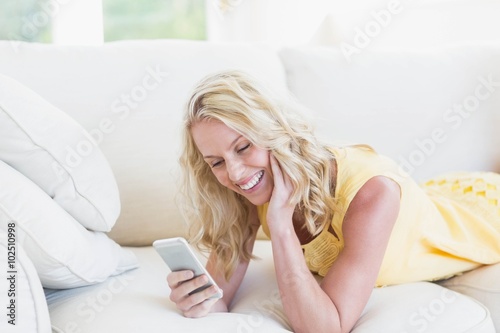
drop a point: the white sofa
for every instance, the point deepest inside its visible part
(433, 110)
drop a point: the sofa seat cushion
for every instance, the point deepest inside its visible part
(482, 284)
(423, 307)
(138, 301)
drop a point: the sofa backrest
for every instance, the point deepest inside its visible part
(432, 110)
(130, 97)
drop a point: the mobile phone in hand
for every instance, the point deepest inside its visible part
(178, 255)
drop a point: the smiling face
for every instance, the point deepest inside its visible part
(235, 161)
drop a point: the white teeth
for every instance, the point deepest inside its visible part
(252, 182)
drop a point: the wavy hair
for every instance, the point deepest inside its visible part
(219, 216)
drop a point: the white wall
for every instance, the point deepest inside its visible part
(400, 23)
(410, 23)
(77, 22)
(272, 21)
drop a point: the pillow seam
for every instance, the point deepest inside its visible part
(44, 149)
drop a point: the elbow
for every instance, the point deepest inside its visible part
(312, 325)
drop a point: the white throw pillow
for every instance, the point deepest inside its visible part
(430, 110)
(57, 154)
(64, 253)
(24, 297)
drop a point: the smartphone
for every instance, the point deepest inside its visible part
(178, 255)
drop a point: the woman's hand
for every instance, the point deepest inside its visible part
(279, 208)
(198, 304)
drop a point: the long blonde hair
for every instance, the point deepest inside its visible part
(219, 216)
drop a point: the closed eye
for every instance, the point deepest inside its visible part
(215, 164)
(244, 148)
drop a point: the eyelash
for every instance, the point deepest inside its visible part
(216, 164)
(244, 148)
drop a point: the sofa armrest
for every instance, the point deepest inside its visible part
(25, 306)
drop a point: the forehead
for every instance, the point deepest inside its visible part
(211, 135)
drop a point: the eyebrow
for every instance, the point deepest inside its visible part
(232, 144)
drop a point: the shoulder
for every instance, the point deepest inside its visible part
(373, 210)
(378, 188)
(378, 193)
(361, 160)
(361, 167)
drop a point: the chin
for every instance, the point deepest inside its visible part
(259, 201)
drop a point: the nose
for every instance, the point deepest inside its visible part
(235, 169)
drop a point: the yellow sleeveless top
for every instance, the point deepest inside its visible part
(445, 226)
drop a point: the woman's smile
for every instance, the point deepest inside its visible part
(254, 181)
(235, 161)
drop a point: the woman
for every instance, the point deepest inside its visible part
(347, 214)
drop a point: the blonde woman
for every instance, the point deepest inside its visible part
(347, 214)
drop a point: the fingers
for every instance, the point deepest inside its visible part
(276, 169)
(175, 278)
(199, 303)
(182, 284)
(274, 164)
(201, 309)
(280, 179)
(280, 206)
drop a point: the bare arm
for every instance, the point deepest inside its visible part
(344, 292)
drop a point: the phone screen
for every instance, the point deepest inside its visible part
(178, 255)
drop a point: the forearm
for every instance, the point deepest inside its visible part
(230, 287)
(306, 305)
(220, 306)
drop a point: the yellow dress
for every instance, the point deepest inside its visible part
(448, 225)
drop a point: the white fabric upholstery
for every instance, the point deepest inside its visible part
(130, 97)
(482, 284)
(432, 110)
(141, 296)
(30, 312)
(423, 307)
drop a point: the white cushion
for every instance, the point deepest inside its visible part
(423, 307)
(22, 292)
(56, 153)
(64, 253)
(256, 307)
(390, 309)
(137, 301)
(482, 284)
(431, 110)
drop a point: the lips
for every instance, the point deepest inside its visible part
(252, 182)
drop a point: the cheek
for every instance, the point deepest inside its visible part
(261, 158)
(222, 178)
